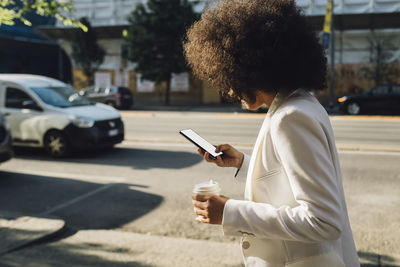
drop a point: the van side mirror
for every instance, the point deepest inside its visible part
(29, 104)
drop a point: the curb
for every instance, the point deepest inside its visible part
(239, 114)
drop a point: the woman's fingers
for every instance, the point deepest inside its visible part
(219, 161)
(201, 219)
(200, 207)
(222, 148)
(201, 212)
(209, 208)
(199, 204)
(201, 197)
(208, 158)
(200, 151)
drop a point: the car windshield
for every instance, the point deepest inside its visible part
(62, 97)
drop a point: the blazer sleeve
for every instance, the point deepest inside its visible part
(303, 149)
(241, 173)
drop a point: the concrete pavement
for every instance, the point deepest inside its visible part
(115, 248)
(118, 248)
(18, 231)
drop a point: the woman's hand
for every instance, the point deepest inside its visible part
(230, 158)
(209, 207)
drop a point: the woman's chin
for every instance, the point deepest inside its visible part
(252, 107)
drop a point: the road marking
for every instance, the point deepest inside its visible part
(77, 199)
(362, 148)
(141, 114)
(241, 115)
(372, 117)
(388, 153)
(158, 143)
(80, 177)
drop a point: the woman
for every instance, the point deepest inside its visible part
(294, 213)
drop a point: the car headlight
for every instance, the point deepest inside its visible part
(82, 122)
(342, 99)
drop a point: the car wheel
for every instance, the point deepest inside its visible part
(56, 144)
(111, 103)
(353, 108)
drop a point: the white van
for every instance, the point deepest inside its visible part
(44, 112)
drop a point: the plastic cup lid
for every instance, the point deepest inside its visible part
(207, 187)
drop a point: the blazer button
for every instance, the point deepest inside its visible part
(245, 245)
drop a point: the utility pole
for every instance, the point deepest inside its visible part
(332, 49)
(328, 41)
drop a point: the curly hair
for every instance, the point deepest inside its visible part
(245, 46)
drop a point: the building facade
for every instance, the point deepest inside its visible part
(362, 28)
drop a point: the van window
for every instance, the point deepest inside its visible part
(62, 97)
(15, 97)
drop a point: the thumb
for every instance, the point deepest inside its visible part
(222, 148)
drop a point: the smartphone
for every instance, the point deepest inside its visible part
(200, 142)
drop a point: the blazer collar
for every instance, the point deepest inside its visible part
(279, 99)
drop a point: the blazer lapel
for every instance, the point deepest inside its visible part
(257, 152)
(248, 193)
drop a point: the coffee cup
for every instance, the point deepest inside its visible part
(211, 187)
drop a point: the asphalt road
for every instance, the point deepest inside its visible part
(144, 185)
(242, 128)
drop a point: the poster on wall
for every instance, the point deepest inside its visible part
(122, 78)
(102, 79)
(144, 86)
(180, 82)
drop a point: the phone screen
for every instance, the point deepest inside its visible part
(200, 142)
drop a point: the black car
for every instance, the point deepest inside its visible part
(381, 98)
(115, 96)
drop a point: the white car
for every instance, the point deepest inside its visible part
(44, 112)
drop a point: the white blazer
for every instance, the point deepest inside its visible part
(294, 213)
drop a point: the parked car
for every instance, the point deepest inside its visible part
(379, 98)
(6, 151)
(115, 96)
(44, 112)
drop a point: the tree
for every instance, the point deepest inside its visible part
(154, 39)
(384, 68)
(11, 10)
(86, 52)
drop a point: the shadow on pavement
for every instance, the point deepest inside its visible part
(141, 159)
(66, 256)
(371, 259)
(82, 205)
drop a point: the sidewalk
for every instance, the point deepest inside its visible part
(112, 248)
(18, 231)
(117, 248)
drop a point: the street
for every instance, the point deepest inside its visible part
(144, 185)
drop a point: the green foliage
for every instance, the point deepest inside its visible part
(155, 36)
(11, 10)
(86, 52)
